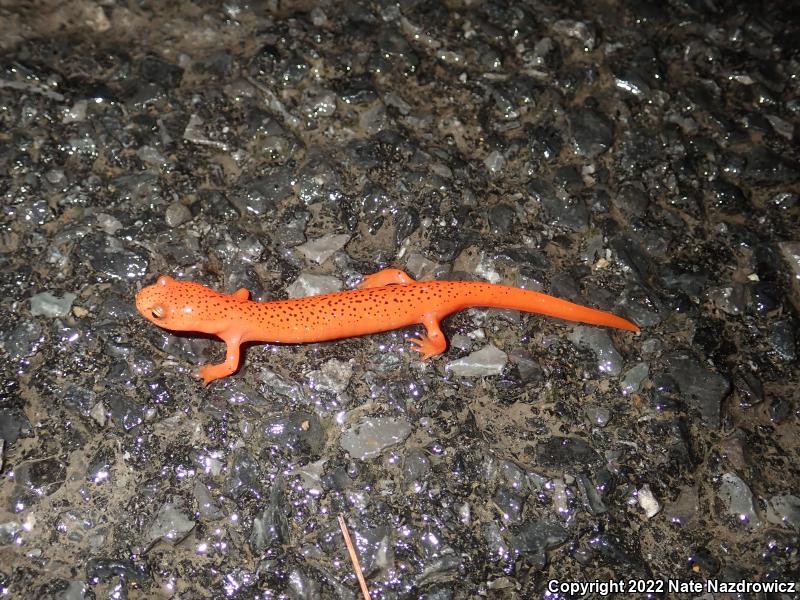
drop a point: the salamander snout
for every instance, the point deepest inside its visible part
(176, 305)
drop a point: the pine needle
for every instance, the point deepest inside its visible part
(353, 558)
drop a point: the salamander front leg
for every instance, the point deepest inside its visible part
(385, 277)
(232, 358)
(433, 342)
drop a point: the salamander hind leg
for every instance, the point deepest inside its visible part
(229, 366)
(241, 294)
(433, 342)
(385, 277)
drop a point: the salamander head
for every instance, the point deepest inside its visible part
(179, 305)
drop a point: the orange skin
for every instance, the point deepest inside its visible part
(385, 300)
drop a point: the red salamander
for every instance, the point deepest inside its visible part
(385, 300)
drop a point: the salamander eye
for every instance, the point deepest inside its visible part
(157, 312)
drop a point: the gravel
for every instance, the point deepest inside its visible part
(641, 159)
